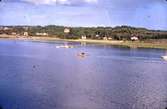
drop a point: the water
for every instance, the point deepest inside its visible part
(37, 75)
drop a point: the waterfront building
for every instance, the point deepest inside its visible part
(25, 33)
(42, 34)
(83, 37)
(67, 30)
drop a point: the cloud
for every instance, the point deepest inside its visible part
(63, 2)
(91, 1)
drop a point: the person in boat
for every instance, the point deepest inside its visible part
(82, 54)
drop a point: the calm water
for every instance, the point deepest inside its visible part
(37, 75)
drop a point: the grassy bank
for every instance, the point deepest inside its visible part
(144, 45)
(160, 44)
(130, 44)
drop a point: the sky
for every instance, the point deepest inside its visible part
(151, 14)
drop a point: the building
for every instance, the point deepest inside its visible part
(6, 28)
(67, 30)
(97, 35)
(83, 37)
(42, 34)
(13, 33)
(25, 33)
(109, 38)
(134, 38)
(105, 38)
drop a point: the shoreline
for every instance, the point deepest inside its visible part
(131, 44)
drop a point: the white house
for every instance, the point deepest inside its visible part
(6, 28)
(42, 34)
(109, 38)
(66, 30)
(13, 33)
(25, 33)
(97, 35)
(83, 37)
(105, 38)
(134, 38)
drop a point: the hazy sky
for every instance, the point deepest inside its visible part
(141, 13)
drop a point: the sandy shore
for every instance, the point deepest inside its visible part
(131, 44)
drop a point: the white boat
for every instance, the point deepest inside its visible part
(164, 57)
(65, 46)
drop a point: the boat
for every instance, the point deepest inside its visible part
(65, 46)
(164, 57)
(82, 54)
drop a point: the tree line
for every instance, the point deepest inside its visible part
(116, 33)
